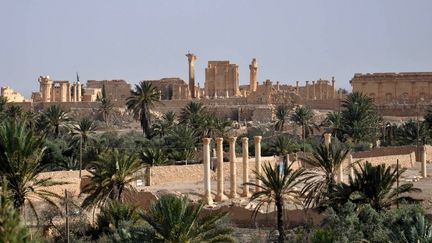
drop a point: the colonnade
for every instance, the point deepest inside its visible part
(220, 196)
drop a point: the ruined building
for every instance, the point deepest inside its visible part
(394, 88)
(11, 95)
(57, 91)
(221, 79)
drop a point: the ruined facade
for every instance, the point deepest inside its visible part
(11, 95)
(172, 88)
(117, 90)
(394, 88)
(221, 79)
(57, 91)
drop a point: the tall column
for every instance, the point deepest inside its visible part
(313, 90)
(206, 162)
(63, 92)
(245, 147)
(327, 139)
(53, 93)
(307, 90)
(333, 93)
(79, 91)
(253, 68)
(68, 92)
(297, 88)
(424, 157)
(191, 60)
(320, 87)
(233, 167)
(75, 95)
(257, 141)
(219, 168)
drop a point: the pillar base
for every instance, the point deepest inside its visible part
(208, 200)
(220, 198)
(246, 194)
(233, 195)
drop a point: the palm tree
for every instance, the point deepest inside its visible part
(111, 174)
(12, 229)
(333, 122)
(279, 188)
(113, 214)
(141, 100)
(14, 112)
(302, 116)
(282, 112)
(165, 125)
(359, 118)
(282, 146)
(375, 185)
(414, 229)
(20, 154)
(53, 119)
(215, 127)
(320, 183)
(183, 140)
(83, 132)
(175, 220)
(410, 132)
(193, 114)
(106, 106)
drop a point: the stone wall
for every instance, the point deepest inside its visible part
(195, 173)
(405, 160)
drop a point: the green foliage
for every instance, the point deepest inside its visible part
(411, 132)
(303, 116)
(11, 228)
(53, 120)
(20, 154)
(3, 101)
(182, 141)
(113, 217)
(352, 224)
(106, 106)
(374, 185)
(360, 121)
(282, 113)
(153, 156)
(283, 145)
(111, 175)
(277, 187)
(141, 100)
(333, 122)
(319, 184)
(174, 219)
(324, 235)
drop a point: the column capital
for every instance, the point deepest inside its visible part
(206, 141)
(257, 139)
(219, 140)
(232, 139)
(245, 139)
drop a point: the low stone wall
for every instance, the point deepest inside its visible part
(195, 173)
(396, 150)
(405, 160)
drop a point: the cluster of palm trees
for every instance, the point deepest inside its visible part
(319, 188)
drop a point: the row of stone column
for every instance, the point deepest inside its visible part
(220, 196)
(324, 91)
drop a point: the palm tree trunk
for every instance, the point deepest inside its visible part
(279, 211)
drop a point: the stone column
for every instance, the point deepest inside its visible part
(320, 87)
(219, 168)
(253, 67)
(327, 139)
(68, 92)
(307, 90)
(75, 95)
(191, 60)
(63, 92)
(79, 91)
(233, 167)
(297, 88)
(245, 147)
(257, 141)
(333, 93)
(53, 93)
(206, 162)
(313, 90)
(350, 163)
(424, 157)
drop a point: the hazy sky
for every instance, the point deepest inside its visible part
(138, 39)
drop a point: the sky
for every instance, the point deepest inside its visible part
(139, 40)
